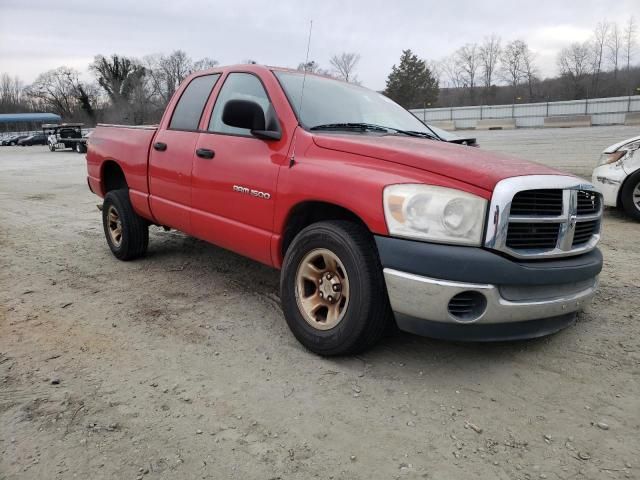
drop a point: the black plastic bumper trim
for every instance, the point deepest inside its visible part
(477, 265)
(484, 332)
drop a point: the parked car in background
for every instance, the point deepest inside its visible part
(617, 176)
(369, 215)
(37, 139)
(13, 140)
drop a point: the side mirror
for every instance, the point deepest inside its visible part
(249, 115)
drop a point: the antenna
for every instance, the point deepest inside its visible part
(306, 63)
(292, 159)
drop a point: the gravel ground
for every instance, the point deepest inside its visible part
(181, 365)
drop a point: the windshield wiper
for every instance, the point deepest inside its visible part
(373, 127)
(351, 126)
(414, 133)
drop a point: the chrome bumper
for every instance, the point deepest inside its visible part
(427, 299)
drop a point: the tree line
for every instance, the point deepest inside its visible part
(128, 90)
(123, 90)
(493, 72)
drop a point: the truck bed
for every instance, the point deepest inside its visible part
(128, 145)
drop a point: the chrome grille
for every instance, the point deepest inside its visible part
(542, 216)
(584, 232)
(532, 235)
(588, 203)
(537, 202)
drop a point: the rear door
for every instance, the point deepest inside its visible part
(234, 190)
(171, 156)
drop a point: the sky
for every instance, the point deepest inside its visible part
(39, 35)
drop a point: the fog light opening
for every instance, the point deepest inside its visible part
(467, 306)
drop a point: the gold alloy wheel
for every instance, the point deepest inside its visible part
(115, 226)
(322, 289)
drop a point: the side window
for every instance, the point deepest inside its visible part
(188, 111)
(238, 86)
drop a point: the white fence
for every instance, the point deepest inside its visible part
(603, 111)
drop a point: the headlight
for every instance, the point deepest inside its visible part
(629, 148)
(607, 158)
(436, 214)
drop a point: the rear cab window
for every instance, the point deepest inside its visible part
(186, 115)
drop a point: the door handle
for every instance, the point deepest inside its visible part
(161, 147)
(205, 153)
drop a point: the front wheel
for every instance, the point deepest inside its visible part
(630, 196)
(52, 147)
(80, 148)
(332, 289)
(127, 233)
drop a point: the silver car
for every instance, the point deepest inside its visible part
(617, 176)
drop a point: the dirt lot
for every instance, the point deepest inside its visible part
(181, 365)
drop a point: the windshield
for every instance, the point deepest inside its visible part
(329, 102)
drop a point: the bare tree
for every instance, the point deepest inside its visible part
(512, 62)
(55, 90)
(118, 76)
(436, 70)
(313, 67)
(165, 72)
(10, 93)
(489, 54)
(630, 33)
(600, 35)
(344, 65)
(207, 63)
(310, 67)
(87, 95)
(614, 47)
(468, 62)
(575, 63)
(529, 68)
(451, 71)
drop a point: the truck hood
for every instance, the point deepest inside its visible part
(471, 165)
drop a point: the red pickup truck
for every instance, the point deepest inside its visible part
(370, 217)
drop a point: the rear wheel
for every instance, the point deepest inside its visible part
(127, 233)
(332, 289)
(52, 147)
(630, 196)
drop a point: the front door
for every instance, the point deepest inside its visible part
(235, 175)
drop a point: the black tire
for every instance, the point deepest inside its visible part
(630, 188)
(367, 313)
(134, 236)
(52, 148)
(79, 147)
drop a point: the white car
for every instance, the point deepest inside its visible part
(617, 176)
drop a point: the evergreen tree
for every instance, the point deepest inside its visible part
(411, 84)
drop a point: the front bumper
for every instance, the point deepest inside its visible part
(520, 299)
(608, 179)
